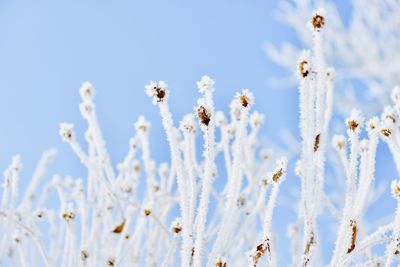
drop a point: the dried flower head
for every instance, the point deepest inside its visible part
(245, 98)
(68, 215)
(241, 202)
(235, 110)
(316, 142)
(87, 91)
(84, 254)
(260, 250)
(304, 68)
(67, 132)
(147, 212)
(176, 226)
(86, 108)
(204, 115)
(318, 21)
(279, 173)
(256, 119)
(396, 95)
(363, 146)
(188, 124)
(353, 226)
(389, 115)
(17, 237)
(142, 125)
(111, 262)
(120, 227)
(205, 84)
(396, 189)
(220, 262)
(373, 125)
(386, 132)
(40, 213)
(158, 91)
(339, 142)
(354, 122)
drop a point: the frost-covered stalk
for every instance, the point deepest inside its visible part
(160, 94)
(315, 113)
(266, 247)
(243, 102)
(206, 115)
(393, 248)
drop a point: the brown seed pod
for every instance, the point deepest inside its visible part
(303, 71)
(386, 132)
(119, 228)
(318, 21)
(220, 263)
(147, 212)
(111, 262)
(316, 142)
(244, 101)
(352, 125)
(277, 175)
(261, 249)
(353, 226)
(309, 244)
(204, 115)
(84, 255)
(160, 94)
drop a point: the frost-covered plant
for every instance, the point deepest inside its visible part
(361, 43)
(102, 220)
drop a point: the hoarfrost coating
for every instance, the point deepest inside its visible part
(103, 221)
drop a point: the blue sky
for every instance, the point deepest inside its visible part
(48, 48)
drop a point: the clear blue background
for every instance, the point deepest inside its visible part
(48, 48)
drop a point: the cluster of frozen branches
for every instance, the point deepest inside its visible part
(102, 220)
(361, 42)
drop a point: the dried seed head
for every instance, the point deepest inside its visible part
(339, 142)
(396, 95)
(204, 115)
(40, 213)
(304, 68)
(353, 124)
(354, 121)
(279, 174)
(141, 125)
(353, 226)
(87, 91)
(176, 226)
(220, 262)
(241, 202)
(260, 250)
(245, 98)
(158, 91)
(318, 21)
(111, 261)
(68, 215)
(84, 255)
(17, 237)
(147, 212)
(316, 142)
(205, 84)
(120, 227)
(86, 108)
(67, 132)
(256, 119)
(386, 132)
(396, 189)
(373, 125)
(188, 124)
